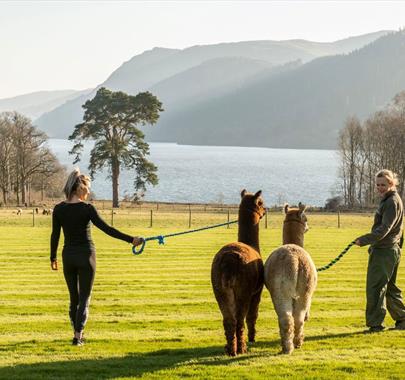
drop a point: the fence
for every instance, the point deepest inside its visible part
(183, 216)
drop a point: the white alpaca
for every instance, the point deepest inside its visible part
(290, 276)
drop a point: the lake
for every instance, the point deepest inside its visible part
(205, 174)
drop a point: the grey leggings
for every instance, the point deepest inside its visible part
(79, 270)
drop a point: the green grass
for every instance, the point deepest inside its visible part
(155, 316)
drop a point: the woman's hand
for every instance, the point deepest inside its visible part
(137, 241)
(54, 265)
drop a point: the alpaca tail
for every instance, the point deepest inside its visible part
(229, 270)
(282, 276)
(289, 287)
(295, 278)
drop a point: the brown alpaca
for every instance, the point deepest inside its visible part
(290, 276)
(237, 276)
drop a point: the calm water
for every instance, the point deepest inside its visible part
(206, 174)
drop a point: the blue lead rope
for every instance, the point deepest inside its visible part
(161, 238)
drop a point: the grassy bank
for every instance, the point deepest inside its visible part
(154, 316)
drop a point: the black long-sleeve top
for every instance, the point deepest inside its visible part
(75, 218)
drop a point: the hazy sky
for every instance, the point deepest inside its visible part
(77, 44)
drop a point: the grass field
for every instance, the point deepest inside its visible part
(155, 316)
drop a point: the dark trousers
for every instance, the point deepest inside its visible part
(381, 277)
(79, 270)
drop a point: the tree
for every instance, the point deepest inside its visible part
(350, 149)
(111, 120)
(6, 155)
(333, 204)
(24, 158)
(365, 149)
(50, 177)
(25, 145)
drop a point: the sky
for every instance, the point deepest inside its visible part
(55, 45)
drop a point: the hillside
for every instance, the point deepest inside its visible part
(166, 71)
(37, 103)
(300, 108)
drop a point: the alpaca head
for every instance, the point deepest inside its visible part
(295, 225)
(252, 206)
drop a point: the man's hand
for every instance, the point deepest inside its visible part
(357, 242)
(137, 241)
(54, 265)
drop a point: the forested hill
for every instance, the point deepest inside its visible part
(187, 79)
(300, 108)
(37, 103)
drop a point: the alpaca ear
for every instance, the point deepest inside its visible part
(286, 208)
(242, 194)
(301, 207)
(258, 194)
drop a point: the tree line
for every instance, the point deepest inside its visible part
(366, 147)
(26, 163)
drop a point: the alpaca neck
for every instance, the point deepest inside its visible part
(293, 233)
(248, 231)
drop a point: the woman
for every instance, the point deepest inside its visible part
(385, 239)
(79, 255)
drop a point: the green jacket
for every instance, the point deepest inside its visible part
(387, 227)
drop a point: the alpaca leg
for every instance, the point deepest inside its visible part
(308, 307)
(240, 327)
(286, 324)
(226, 302)
(299, 318)
(301, 314)
(230, 334)
(252, 315)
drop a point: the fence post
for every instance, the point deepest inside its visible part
(112, 217)
(189, 216)
(265, 218)
(33, 218)
(151, 218)
(338, 219)
(228, 219)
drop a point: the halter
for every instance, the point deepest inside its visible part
(255, 211)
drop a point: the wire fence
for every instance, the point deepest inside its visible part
(181, 216)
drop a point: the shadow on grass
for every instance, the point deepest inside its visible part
(136, 364)
(334, 336)
(275, 343)
(133, 364)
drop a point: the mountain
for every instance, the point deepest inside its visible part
(216, 76)
(300, 108)
(184, 78)
(35, 104)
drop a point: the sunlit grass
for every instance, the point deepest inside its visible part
(154, 315)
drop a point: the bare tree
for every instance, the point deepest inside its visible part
(49, 176)
(30, 152)
(365, 149)
(24, 158)
(352, 161)
(6, 155)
